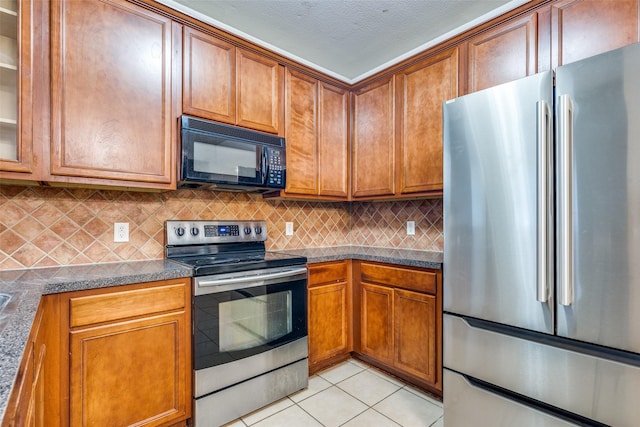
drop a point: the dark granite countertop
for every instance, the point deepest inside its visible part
(26, 287)
(407, 257)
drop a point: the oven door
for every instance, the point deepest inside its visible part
(239, 315)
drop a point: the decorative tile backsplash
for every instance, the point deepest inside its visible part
(384, 224)
(43, 227)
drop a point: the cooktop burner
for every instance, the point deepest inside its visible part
(215, 247)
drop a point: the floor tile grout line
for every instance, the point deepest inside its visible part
(319, 422)
(410, 389)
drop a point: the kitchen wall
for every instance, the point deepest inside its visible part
(43, 227)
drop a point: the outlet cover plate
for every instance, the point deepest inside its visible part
(121, 232)
(288, 228)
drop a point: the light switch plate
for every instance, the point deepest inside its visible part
(411, 228)
(288, 228)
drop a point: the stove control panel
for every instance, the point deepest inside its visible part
(180, 233)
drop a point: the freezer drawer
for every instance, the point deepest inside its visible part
(468, 405)
(588, 385)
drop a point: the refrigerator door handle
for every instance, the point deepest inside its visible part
(543, 126)
(565, 243)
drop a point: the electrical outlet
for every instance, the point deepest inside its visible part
(288, 230)
(411, 228)
(121, 232)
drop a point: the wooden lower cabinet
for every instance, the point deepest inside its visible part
(130, 355)
(117, 356)
(415, 334)
(398, 326)
(329, 314)
(376, 333)
(28, 402)
(387, 315)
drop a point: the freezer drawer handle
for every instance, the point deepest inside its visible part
(565, 265)
(543, 138)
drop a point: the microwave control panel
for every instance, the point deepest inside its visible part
(276, 168)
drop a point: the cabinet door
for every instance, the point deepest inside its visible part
(17, 20)
(333, 141)
(301, 128)
(209, 80)
(376, 322)
(328, 321)
(504, 53)
(132, 372)
(415, 334)
(373, 140)
(112, 93)
(583, 28)
(259, 92)
(421, 90)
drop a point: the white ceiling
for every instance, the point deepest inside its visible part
(347, 39)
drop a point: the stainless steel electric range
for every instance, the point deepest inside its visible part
(249, 317)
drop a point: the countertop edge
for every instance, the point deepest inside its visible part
(404, 257)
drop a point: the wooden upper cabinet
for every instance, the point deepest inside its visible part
(373, 150)
(301, 130)
(209, 85)
(504, 53)
(317, 137)
(259, 92)
(112, 112)
(18, 23)
(333, 141)
(227, 84)
(420, 92)
(583, 28)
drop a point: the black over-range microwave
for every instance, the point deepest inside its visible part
(224, 157)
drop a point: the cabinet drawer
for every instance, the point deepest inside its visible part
(415, 280)
(86, 310)
(327, 272)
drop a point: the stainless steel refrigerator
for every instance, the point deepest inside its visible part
(542, 249)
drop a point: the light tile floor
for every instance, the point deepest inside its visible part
(351, 394)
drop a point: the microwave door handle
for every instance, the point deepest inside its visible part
(263, 169)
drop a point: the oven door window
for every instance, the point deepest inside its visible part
(232, 325)
(254, 321)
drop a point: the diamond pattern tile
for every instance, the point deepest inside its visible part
(42, 227)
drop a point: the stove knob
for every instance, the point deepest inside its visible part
(180, 231)
(258, 230)
(194, 231)
(247, 230)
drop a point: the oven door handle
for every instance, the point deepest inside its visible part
(255, 280)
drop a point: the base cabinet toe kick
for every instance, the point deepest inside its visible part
(495, 375)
